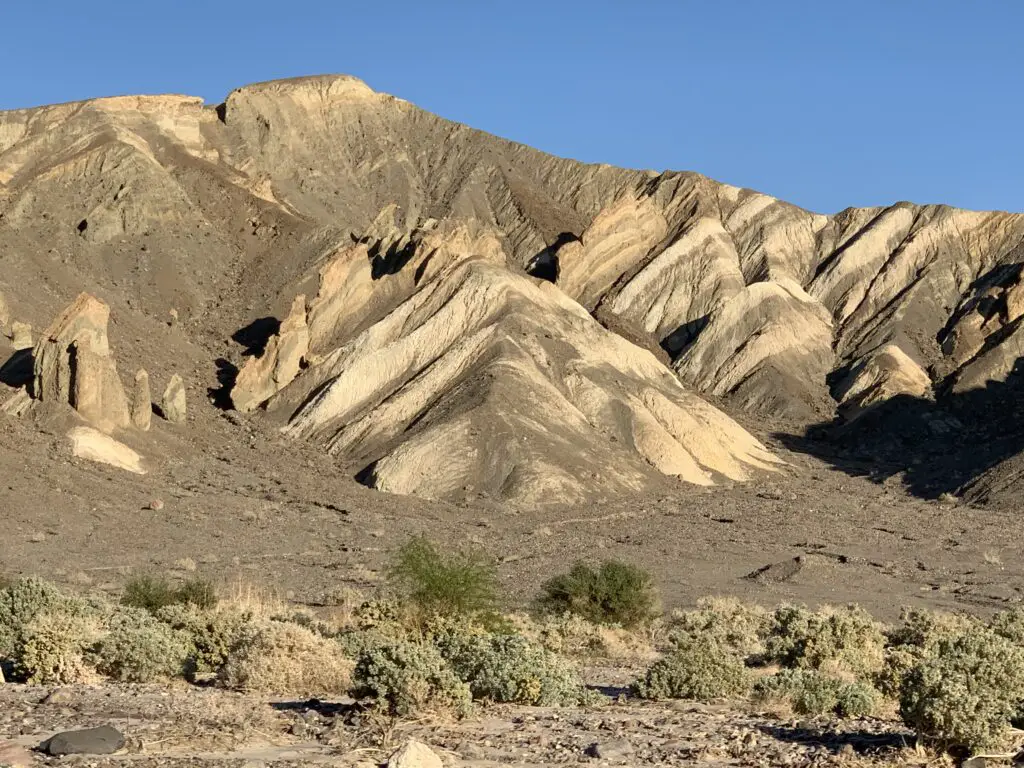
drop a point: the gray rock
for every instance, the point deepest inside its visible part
(90, 741)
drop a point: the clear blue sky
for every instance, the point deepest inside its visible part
(823, 103)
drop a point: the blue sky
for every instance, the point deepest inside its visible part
(826, 104)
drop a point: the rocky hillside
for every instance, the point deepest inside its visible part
(445, 311)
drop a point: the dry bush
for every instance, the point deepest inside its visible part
(697, 668)
(54, 649)
(409, 678)
(280, 657)
(138, 648)
(963, 693)
(572, 635)
(841, 641)
(735, 625)
(810, 692)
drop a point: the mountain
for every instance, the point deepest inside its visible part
(477, 316)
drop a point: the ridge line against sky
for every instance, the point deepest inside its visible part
(825, 105)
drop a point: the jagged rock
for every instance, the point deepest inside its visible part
(142, 401)
(415, 754)
(73, 364)
(173, 402)
(21, 335)
(103, 740)
(91, 444)
(262, 377)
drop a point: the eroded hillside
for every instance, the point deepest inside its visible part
(449, 313)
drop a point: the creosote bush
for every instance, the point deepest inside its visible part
(611, 593)
(437, 583)
(54, 647)
(151, 593)
(211, 634)
(697, 668)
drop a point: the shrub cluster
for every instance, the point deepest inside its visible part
(437, 643)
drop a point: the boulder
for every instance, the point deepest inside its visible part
(21, 335)
(173, 403)
(104, 740)
(91, 444)
(415, 754)
(73, 364)
(142, 402)
(263, 377)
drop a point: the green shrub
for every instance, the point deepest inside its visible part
(148, 592)
(697, 668)
(281, 657)
(437, 583)
(509, 668)
(151, 593)
(963, 694)
(54, 647)
(809, 692)
(612, 593)
(407, 678)
(197, 592)
(734, 625)
(211, 634)
(838, 640)
(138, 648)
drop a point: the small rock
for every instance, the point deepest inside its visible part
(614, 749)
(14, 755)
(415, 754)
(91, 741)
(59, 696)
(173, 403)
(156, 505)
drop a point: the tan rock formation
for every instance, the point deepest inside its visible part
(173, 404)
(142, 401)
(91, 444)
(262, 377)
(21, 335)
(73, 365)
(886, 373)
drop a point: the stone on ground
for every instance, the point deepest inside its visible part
(415, 754)
(91, 444)
(90, 741)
